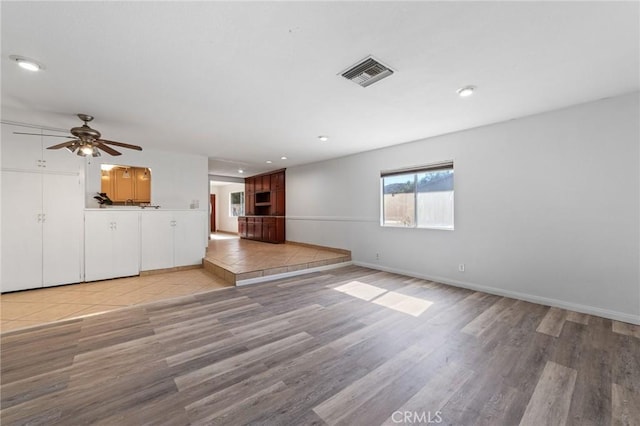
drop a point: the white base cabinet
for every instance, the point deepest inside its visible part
(172, 238)
(112, 244)
(41, 230)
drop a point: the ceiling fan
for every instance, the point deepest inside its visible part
(87, 140)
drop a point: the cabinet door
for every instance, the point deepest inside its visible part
(126, 244)
(249, 203)
(268, 229)
(156, 240)
(189, 237)
(59, 160)
(123, 184)
(257, 228)
(278, 203)
(242, 227)
(280, 230)
(266, 183)
(279, 178)
(21, 231)
(23, 152)
(98, 245)
(61, 229)
(142, 186)
(249, 185)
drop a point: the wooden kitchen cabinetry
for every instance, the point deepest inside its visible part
(124, 184)
(265, 208)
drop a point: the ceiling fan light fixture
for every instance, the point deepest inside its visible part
(87, 149)
(26, 63)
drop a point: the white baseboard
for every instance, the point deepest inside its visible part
(585, 309)
(292, 273)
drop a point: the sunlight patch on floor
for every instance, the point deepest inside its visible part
(414, 306)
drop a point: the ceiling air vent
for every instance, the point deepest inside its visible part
(367, 72)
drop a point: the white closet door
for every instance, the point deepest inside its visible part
(190, 237)
(126, 244)
(21, 231)
(157, 240)
(62, 229)
(98, 246)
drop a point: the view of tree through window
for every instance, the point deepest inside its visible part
(422, 198)
(236, 204)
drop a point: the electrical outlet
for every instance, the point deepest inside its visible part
(461, 267)
(377, 256)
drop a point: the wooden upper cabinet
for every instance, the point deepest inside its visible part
(123, 184)
(249, 186)
(277, 181)
(278, 203)
(142, 185)
(266, 183)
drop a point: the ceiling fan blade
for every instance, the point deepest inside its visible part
(63, 144)
(124, 145)
(107, 149)
(40, 134)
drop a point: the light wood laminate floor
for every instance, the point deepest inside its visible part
(349, 346)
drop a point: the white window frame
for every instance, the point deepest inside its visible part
(416, 170)
(243, 204)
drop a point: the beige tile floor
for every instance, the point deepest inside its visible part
(240, 255)
(237, 259)
(34, 307)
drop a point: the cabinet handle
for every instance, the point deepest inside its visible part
(44, 217)
(39, 218)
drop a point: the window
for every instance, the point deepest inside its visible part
(420, 197)
(236, 204)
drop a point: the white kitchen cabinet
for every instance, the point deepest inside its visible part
(172, 238)
(41, 230)
(112, 244)
(29, 153)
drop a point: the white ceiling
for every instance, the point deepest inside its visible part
(243, 82)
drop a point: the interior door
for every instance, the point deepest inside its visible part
(61, 229)
(213, 213)
(21, 231)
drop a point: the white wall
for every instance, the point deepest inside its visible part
(176, 179)
(546, 208)
(225, 222)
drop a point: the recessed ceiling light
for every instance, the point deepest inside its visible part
(269, 161)
(323, 138)
(26, 63)
(465, 91)
(283, 158)
(240, 171)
